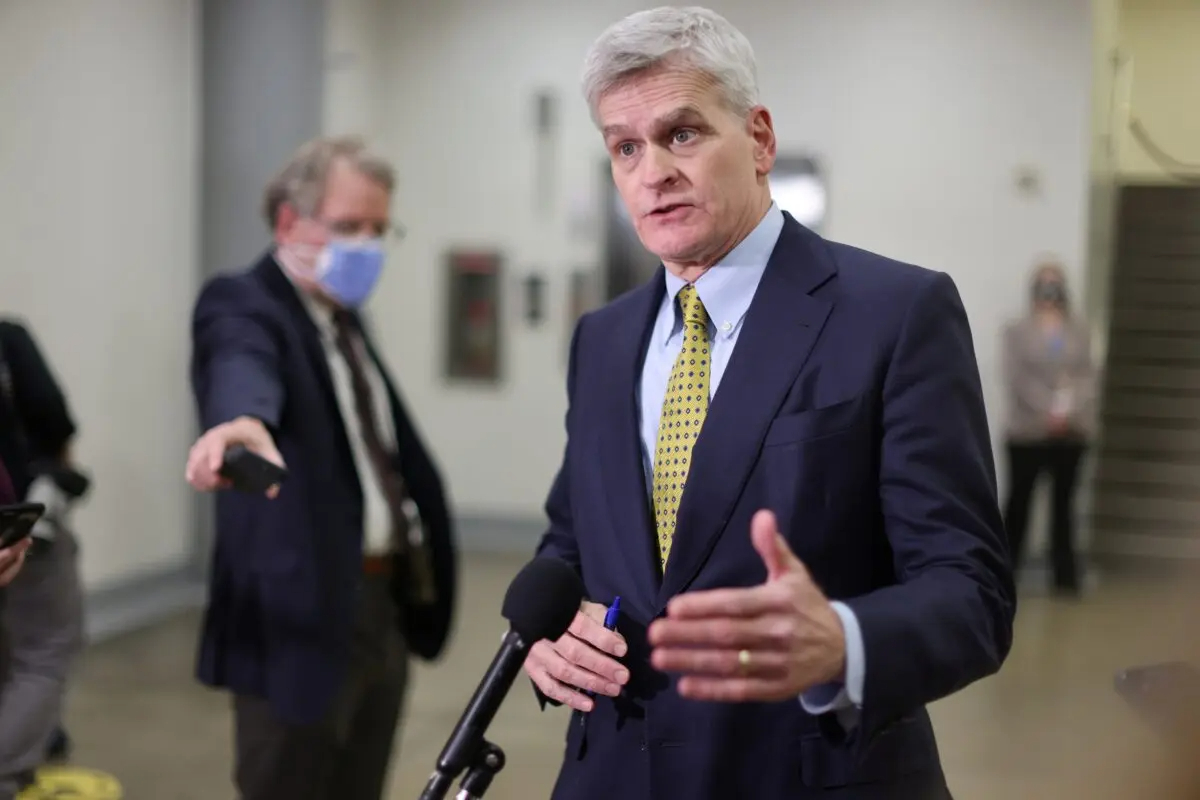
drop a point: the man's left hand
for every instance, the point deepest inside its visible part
(769, 642)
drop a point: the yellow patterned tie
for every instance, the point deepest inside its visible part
(684, 408)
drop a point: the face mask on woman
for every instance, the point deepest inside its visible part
(1050, 292)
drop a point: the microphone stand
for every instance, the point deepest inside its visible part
(485, 763)
(467, 750)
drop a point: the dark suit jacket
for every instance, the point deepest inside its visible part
(851, 408)
(285, 572)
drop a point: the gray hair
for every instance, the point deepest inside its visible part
(690, 37)
(301, 182)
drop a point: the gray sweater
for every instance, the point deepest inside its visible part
(1042, 377)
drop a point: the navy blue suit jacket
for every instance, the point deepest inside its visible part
(285, 572)
(852, 408)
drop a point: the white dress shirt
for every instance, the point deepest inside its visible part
(377, 518)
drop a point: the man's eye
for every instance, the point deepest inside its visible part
(683, 136)
(626, 149)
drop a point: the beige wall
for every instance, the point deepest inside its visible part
(99, 176)
(1160, 83)
(923, 113)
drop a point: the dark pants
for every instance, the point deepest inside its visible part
(346, 755)
(1026, 462)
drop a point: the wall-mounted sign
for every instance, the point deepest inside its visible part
(473, 329)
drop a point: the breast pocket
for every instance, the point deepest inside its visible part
(815, 423)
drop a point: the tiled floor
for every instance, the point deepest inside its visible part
(136, 712)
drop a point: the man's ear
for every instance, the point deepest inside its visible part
(285, 220)
(762, 130)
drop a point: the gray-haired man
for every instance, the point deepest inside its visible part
(321, 588)
(777, 458)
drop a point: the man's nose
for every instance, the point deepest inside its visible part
(658, 168)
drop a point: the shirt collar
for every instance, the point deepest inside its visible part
(728, 287)
(321, 313)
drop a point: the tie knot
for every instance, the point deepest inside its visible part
(692, 308)
(344, 320)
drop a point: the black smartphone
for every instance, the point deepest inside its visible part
(250, 472)
(1166, 695)
(17, 521)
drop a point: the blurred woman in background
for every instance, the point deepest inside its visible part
(43, 609)
(1051, 380)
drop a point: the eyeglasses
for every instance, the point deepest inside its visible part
(349, 228)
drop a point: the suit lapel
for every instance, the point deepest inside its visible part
(282, 289)
(620, 448)
(779, 331)
(271, 274)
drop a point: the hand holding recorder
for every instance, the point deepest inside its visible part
(236, 455)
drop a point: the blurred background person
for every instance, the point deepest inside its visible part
(11, 560)
(1051, 382)
(318, 594)
(44, 605)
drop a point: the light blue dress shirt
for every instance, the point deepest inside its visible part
(726, 291)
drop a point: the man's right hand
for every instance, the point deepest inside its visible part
(583, 659)
(208, 453)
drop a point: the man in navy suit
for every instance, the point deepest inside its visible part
(778, 458)
(319, 591)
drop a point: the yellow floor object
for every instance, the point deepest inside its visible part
(73, 783)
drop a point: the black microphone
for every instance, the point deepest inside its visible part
(540, 603)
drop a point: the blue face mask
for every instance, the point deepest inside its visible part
(348, 270)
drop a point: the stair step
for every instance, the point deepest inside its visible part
(1137, 321)
(1122, 404)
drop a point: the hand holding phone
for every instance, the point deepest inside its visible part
(11, 560)
(239, 454)
(247, 471)
(17, 521)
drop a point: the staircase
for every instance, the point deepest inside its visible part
(1146, 501)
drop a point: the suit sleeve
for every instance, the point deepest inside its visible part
(947, 622)
(559, 539)
(235, 357)
(40, 401)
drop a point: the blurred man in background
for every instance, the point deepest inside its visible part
(44, 606)
(319, 592)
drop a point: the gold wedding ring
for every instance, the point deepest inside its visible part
(744, 660)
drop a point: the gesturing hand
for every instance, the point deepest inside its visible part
(764, 643)
(581, 659)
